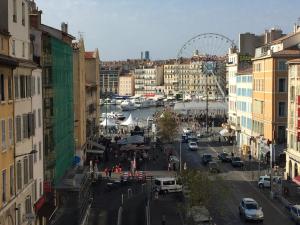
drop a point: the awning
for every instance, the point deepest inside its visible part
(297, 180)
(225, 133)
(94, 151)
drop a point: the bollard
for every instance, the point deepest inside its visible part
(120, 216)
(129, 192)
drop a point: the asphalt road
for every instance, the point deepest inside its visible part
(240, 185)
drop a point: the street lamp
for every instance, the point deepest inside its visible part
(29, 153)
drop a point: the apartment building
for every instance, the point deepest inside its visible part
(149, 81)
(92, 63)
(244, 109)
(80, 96)
(7, 151)
(126, 84)
(109, 79)
(270, 92)
(293, 122)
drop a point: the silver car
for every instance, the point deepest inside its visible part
(250, 210)
(295, 213)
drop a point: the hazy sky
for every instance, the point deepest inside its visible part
(121, 29)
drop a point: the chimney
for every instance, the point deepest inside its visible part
(64, 27)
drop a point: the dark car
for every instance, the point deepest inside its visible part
(184, 139)
(237, 162)
(206, 158)
(224, 157)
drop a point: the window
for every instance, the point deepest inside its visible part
(292, 93)
(281, 109)
(19, 214)
(282, 66)
(28, 86)
(13, 47)
(3, 135)
(9, 88)
(18, 129)
(39, 85)
(23, 49)
(34, 156)
(4, 186)
(2, 86)
(25, 170)
(11, 180)
(22, 86)
(17, 87)
(28, 205)
(282, 85)
(40, 150)
(33, 86)
(19, 175)
(34, 119)
(10, 131)
(23, 13)
(15, 11)
(25, 126)
(39, 117)
(31, 166)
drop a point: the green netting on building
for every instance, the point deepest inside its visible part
(63, 112)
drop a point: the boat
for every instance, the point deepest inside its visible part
(119, 116)
(127, 105)
(109, 101)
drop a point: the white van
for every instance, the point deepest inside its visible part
(167, 184)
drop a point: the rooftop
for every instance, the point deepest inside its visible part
(90, 55)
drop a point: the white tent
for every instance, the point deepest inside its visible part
(108, 122)
(129, 121)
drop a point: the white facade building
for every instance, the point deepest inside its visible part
(293, 128)
(148, 81)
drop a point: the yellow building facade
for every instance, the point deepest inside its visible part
(7, 178)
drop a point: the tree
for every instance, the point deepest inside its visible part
(205, 189)
(167, 126)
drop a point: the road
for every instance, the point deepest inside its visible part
(240, 185)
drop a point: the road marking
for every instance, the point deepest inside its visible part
(254, 188)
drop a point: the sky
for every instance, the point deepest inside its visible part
(121, 29)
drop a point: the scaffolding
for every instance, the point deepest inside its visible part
(58, 108)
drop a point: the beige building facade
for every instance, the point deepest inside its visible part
(79, 96)
(126, 85)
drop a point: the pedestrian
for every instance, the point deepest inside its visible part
(219, 139)
(163, 219)
(174, 166)
(169, 166)
(109, 172)
(184, 166)
(106, 172)
(232, 154)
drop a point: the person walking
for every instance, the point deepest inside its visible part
(109, 172)
(169, 166)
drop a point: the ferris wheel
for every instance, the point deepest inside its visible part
(212, 50)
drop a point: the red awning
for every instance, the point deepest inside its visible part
(297, 180)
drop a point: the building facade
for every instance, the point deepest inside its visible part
(148, 81)
(244, 110)
(7, 160)
(126, 85)
(270, 92)
(92, 94)
(79, 94)
(293, 132)
(109, 80)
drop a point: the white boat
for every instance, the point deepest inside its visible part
(109, 101)
(127, 105)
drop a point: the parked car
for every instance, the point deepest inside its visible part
(264, 181)
(224, 157)
(187, 130)
(237, 162)
(214, 167)
(250, 210)
(192, 138)
(206, 158)
(193, 146)
(295, 213)
(184, 138)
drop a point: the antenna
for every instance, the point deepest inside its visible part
(81, 34)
